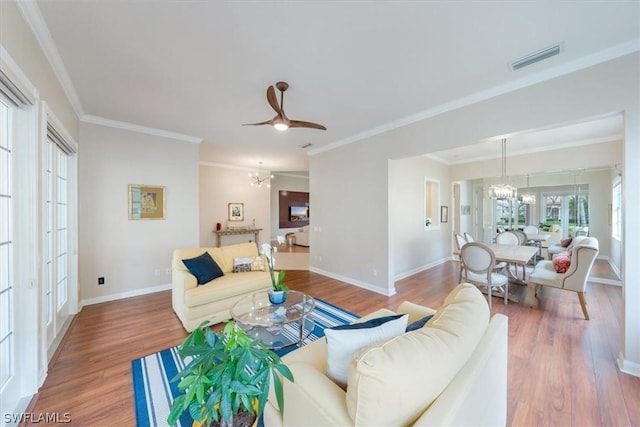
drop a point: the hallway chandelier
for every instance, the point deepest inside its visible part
(259, 180)
(528, 198)
(503, 190)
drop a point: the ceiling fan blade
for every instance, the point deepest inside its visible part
(273, 100)
(301, 124)
(268, 122)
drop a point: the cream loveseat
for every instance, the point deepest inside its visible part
(451, 372)
(212, 301)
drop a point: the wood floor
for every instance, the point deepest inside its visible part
(562, 368)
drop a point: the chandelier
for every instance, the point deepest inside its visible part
(259, 180)
(528, 198)
(503, 191)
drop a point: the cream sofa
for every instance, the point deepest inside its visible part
(453, 371)
(212, 301)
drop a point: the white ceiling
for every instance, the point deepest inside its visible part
(201, 68)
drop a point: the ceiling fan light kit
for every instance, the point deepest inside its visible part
(281, 122)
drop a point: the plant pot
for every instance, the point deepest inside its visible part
(277, 297)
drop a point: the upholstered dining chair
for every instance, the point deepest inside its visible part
(509, 238)
(522, 237)
(460, 242)
(583, 254)
(468, 237)
(479, 264)
(531, 229)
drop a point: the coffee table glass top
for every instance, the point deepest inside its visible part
(277, 325)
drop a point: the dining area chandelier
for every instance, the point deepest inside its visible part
(503, 190)
(528, 198)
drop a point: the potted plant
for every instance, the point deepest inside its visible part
(278, 293)
(227, 380)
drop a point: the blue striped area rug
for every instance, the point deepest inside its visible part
(153, 392)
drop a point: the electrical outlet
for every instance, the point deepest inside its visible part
(100, 280)
(156, 272)
(168, 271)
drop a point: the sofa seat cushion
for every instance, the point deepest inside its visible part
(392, 383)
(545, 274)
(227, 286)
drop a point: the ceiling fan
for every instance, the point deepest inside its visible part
(281, 121)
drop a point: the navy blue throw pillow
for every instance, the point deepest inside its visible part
(368, 324)
(418, 323)
(204, 268)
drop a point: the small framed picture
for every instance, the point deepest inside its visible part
(146, 202)
(444, 214)
(236, 211)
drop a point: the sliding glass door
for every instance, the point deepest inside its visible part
(568, 209)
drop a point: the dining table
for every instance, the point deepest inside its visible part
(516, 255)
(536, 240)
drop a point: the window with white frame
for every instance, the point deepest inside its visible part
(7, 338)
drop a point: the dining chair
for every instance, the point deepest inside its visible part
(460, 242)
(479, 263)
(510, 238)
(583, 255)
(522, 237)
(531, 229)
(468, 237)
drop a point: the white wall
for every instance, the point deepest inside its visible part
(127, 253)
(219, 186)
(285, 183)
(413, 246)
(350, 188)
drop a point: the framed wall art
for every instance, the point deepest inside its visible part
(236, 211)
(444, 214)
(146, 202)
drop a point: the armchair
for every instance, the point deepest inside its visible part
(583, 255)
(302, 236)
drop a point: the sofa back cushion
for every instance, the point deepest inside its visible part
(222, 256)
(394, 382)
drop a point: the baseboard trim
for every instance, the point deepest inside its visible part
(355, 282)
(603, 281)
(123, 295)
(417, 270)
(628, 367)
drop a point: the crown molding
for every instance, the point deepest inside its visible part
(560, 70)
(228, 166)
(140, 129)
(571, 144)
(35, 20)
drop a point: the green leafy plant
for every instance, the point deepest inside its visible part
(229, 372)
(276, 282)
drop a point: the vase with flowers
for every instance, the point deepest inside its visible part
(278, 291)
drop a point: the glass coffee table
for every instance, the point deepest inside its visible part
(276, 325)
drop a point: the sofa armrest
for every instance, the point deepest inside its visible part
(415, 311)
(312, 399)
(181, 281)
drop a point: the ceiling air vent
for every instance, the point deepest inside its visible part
(536, 57)
(307, 145)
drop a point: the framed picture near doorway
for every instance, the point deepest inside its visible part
(236, 211)
(444, 214)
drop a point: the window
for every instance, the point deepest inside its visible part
(569, 209)
(6, 250)
(616, 209)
